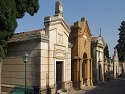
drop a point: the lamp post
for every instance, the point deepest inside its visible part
(25, 60)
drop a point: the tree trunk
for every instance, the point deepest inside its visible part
(0, 72)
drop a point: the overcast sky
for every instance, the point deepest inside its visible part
(104, 14)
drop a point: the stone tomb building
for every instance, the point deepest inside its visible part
(116, 64)
(81, 67)
(49, 64)
(97, 51)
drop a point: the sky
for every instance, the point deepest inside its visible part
(104, 14)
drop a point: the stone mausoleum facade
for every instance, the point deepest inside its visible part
(49, 64)
(116, 65)
(97, 51)
(81, 67)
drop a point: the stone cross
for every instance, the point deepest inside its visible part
(100, 32)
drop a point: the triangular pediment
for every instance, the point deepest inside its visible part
(65, 28)
(80, 29)
(58, 23)
(85, 28)
(101, 40)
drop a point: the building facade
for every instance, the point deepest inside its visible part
(116, 64)
(97, 51)
(81, 67)
(49, 65)
(106, 64)
(122, 69)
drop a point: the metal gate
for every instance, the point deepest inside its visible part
(59, 75)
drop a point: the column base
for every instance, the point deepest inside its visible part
(48, 90)
(88, 82)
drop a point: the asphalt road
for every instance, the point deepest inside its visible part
(116, 86)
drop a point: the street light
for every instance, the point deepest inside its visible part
(25, 60)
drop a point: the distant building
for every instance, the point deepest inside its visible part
(106, 68)
(97, 51)
(110, 64)
(49, 65)
(122, 69)
(116, 64)
(106, 64)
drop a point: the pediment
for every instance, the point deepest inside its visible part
(80, 29)
(56, 22)
(62, 28)
(101, 40)
(61, 32)
(85, 31)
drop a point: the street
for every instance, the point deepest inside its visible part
(116, 86)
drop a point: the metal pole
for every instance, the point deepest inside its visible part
(25, 80)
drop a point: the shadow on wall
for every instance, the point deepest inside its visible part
(13, 65)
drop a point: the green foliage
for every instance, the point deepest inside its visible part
(121, 42)
(106, 51)
(30, 6)
(10, 10)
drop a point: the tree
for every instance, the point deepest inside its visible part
(10, 11)
(106, 51)
(121, 42)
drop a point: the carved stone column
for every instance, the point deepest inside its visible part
(76, 72)
(81, 78)
(88, 72)
(91, 72)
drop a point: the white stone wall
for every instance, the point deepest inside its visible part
(116, 69)
(43, 64)
(13, 71)
(68, 65)
(116, 64)
(58, 51)
(98, 60)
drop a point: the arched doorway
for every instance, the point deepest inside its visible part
(84, 68)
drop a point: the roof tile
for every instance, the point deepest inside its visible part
(25, 35)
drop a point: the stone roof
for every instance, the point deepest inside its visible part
(22, 36)
(94, 38)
